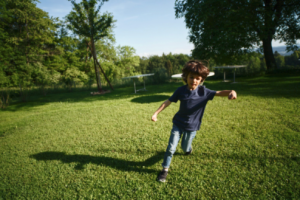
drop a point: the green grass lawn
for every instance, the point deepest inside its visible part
(77, 146)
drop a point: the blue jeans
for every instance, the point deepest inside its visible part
(186, 143)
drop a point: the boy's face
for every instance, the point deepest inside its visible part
(193, 80)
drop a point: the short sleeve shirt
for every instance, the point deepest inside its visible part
(192, 106)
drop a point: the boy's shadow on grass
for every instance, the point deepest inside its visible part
(123, 165)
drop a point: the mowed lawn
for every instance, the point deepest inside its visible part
(78, 146)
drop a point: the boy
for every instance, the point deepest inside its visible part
(193, 99)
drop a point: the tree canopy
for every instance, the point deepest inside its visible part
(221, 29)
(85, 20)
(26, 35)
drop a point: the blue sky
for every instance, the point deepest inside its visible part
(149, 26)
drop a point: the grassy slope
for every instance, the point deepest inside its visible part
(89, 147)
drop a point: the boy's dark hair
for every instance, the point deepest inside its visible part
(195, 67)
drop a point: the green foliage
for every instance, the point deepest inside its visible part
(44, 77)
(293, 61)
(222, 29)
(111, 70)
(27, 34)
(254, 64)
(144, 62)
(105, 48)
(74, 75)
(279, 60)
(169, 67)
(86, 21)
(4, 80)
(127, 61)
(4, 99)
(67, 52)
(161, 75)
(30, 31)
(166, 64)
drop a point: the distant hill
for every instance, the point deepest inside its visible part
(282, 51)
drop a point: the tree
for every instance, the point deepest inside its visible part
(86, 21)
(279, 60)
(221, 29)
(66, 52)
(44, 77)
(29, 28)
(144, 62)
(293, 60)
(169, 67)
(127, 61)
(26, 35)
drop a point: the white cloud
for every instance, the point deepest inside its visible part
(276, 43)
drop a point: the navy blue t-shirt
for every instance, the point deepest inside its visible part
(192, 106)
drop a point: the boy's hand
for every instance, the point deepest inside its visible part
(154, 118)
(232, 95)
(163, 106)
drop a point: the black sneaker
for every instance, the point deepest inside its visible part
(162, 176)
(188, 153)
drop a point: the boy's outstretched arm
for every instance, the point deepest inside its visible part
(163, 106)
(230, 93)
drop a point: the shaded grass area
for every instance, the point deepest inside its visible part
(77, 146)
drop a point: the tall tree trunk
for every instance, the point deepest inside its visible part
(95, 60)
(268, 53)
(105, 75)
(270, 28)
(98, 78)
(26, 48)
(96, 67)
(86, 68)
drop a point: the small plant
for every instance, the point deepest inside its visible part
(23, 93)
(44, 90)
(4, 99)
